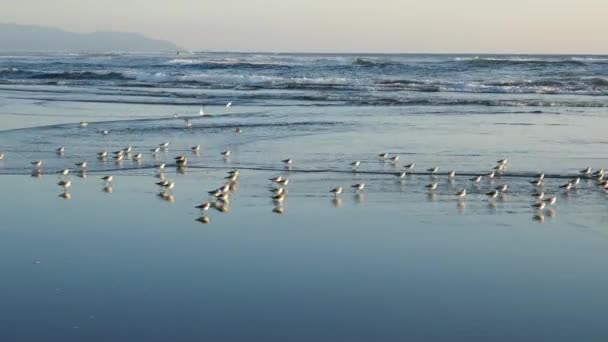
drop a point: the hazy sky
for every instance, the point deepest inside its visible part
(520, 26)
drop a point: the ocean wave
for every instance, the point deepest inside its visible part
(520, 61)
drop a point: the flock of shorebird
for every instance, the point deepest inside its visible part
(220, 197)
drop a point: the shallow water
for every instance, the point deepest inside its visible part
(393, 263)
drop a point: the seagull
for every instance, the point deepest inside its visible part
(586, 171)
(82, 165)
(492, 194)
(287, 161)
(226, 153)
(433, 169)
(60, 150)
(128, 149)
(195, 148)
(409, 166)
(452, 174)
(432, 186)
(576, 180)
(337, 190)
(502, 188)
(358, 186)
(37, 163)
(355, 164)
(462, 193)
(551, 200)
(383, 155)
(229, 104)
(539, 205)
(65, 183)
(476, 179)
(204, 206)
(108, 179)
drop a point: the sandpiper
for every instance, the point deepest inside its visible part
(229, 104)
(452, 174)
(358, 186)
(394, 159)
(541, 176)
(402, 174)
(433, 170)
(355, 164)
(82, 165)
(65, 183)
(568, 186)
(277, 191)
(279, 197)
(337, 190)
(502, 188)
(204, 206)
(499, 168)
(538, 195)
(551, 200)
(276, 179)
(383, 155)
(537, 182)
(60, 150)
(166, 184)
(128, 149)
(539, 205)
(476, 179)
(155, 150)
(204, 219)
(283, 181)
(195, 148)
(502, 161)
(65, 172)
(187, 123)
(163, 145)
(462, 193)
(287, 161)
(586, 171)
(491, 175)
(493, 193)
(576, 181)
(161, 166)
(226, 153)
(138, 157)
(102, 154)
(108, 179)
(409, 166)
(37, 163)
(432, 186)
(65, 195)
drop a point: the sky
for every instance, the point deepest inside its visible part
(433, 26)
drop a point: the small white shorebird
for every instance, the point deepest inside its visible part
(280, 197)
(155, 150)
(402, 174)
(105, 132)
(409, 166)
(128, 149)
(539, 205)
(598, 173)
(60, 150)
(283, 181)
(491, 175)
(226, 153)
(1, 156)
(102, 154)
(337, 191)
(452, 174)
(37, 163)
(119, 157)
(493, 194)
(383, 155)
(358, 186)
(355, 164)
(108, 179)
(229, 104)
(462, 193)
(433, 170)
(166, 184)
(551, 200)
(394, 159)
(181, 162)
(502, 188)
(201, 112)
(161, 166)
(432, 186)
(476, 179)
(138, 157)
(499, 168)
(164, 145)
(203, 219)
(65, 184)
(537, 182)
(287, 161)
(195, 148)
(541, 176)
(276, 179)
(586, 171)
(502, 161)
(277, 191)
(539, 195)
(82, 165)
(204, 206)
(568, 186)
(83, 124)
(576, 181)
(65, 172)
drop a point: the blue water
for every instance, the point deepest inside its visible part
(393, 263)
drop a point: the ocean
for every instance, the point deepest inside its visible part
(393, 262)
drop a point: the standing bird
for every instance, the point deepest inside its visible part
(336, 191)
(358, 186)
(65, 184)
(226, 153)
(452, 174)
(60, 150)
(82, 165)
(502, 188)
(1, 156)
(229, 104)
(394, 159)
(492, 194)
(433, 170)
(432, 186)
(462, 193)
(476, 179)
(409, 166)
(287, 161)
(37, 163)
(108, 179)
(355, 164)
(586, 171)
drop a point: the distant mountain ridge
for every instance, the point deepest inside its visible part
(32, 38)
